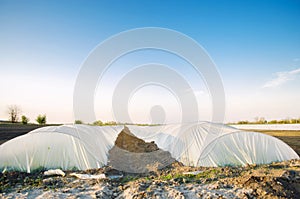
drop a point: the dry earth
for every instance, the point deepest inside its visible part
(134, 155)
(10, 131)
(277, 180)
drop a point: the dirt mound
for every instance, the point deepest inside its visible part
(129, 142)
(133, 155)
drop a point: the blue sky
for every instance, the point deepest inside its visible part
(255, 45)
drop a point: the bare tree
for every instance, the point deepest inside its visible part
(14, 112)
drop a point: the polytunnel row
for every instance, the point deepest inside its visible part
(209, 144)
(195, 144)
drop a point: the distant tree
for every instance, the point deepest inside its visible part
(243, 122)
(25, 119)
(41, 119)
(78, 122)
(98, 123)
(273, 122)
(293, 121)
(111, 123)
(262, 120)
(286, 121)
(14, 112)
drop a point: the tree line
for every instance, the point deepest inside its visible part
(14, 113)
(112, 123)
(262, 120)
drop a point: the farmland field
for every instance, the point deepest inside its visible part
(286, 127)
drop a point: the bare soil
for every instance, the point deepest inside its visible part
(134, 155)
(129, 142)
(10, 131)
(276, 180)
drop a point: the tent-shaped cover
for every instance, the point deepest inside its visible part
(194, 144)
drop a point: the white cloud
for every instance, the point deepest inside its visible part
(281, 78)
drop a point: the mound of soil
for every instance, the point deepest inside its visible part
(133, 155)
(129, 142)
